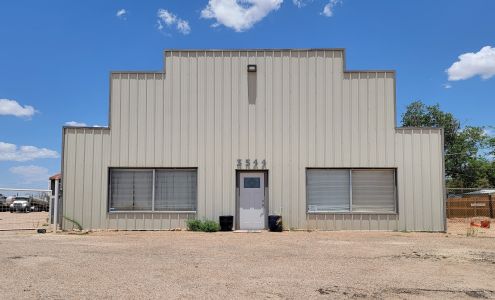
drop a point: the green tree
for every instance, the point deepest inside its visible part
(467, 150)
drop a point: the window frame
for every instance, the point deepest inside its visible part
(109, 190)
(351, 211)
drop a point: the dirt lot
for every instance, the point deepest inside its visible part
(246, 265)
(10, 221)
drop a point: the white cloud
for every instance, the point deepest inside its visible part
(239, 15)
(301, 3)
(10, 152)
(121, 13)
(447, 86)
(12, 108)
(159, 25)
(183, 27)
(168, 18)
(76, 124)
(329, 7)
(481, 63)
(31, 173)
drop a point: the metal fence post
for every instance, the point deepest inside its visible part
(490, 206)
(55, 206)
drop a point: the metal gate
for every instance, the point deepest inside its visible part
(28, 209)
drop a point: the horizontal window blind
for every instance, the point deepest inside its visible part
(131, 190)
(351, 190)
(175, 190)
(373, 190)
(135, 190)
(328, 190)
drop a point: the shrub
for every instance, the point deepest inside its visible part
(210, 226)
(194, 225)
(205, 226)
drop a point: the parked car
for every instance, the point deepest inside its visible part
(21, 204)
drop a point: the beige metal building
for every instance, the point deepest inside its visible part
(250, 133)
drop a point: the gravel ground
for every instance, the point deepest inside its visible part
(288, 265)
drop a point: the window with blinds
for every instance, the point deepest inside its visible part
(131, 190)
(175, 190)
(152, 190)
(373, 190)
(351, 190)
(328, 190)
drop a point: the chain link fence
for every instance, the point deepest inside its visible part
(24, 209)
(471, 211)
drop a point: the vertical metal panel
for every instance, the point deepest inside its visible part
(106, 154)
(363, 104)
(328, 99)
(210, 134)
(308, 113)
(346, 123)
(69, 182)
(218, 160)
(320, 108)
(149, 134)
(234, 118)
(337, 105)
(420, 168)
(227, 183)
(276, 183)
(167, 120)
(425, 175)
(159, 120)
(372, 119)
(390, 117)
(268, 66)
(134, 104)
(285, 151)
(141, 121)
(311, 107)
(380, 114)
(116, 102)
(354, 119)
(293, 172)
(87, 175)
(303, 134)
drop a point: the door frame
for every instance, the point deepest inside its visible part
(238, 195)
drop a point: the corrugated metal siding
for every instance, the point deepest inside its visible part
(387, 222)
(420, 179)
(308, 113)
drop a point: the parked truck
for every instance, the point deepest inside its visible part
(28, 204)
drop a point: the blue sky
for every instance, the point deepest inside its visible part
(55, 56)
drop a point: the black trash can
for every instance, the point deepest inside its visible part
(226, 223)
(275, 223)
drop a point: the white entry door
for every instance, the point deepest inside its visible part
(251, 200)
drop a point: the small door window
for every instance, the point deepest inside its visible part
(251, 182)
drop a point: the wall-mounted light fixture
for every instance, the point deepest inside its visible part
(251, 68)
(252, 83)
